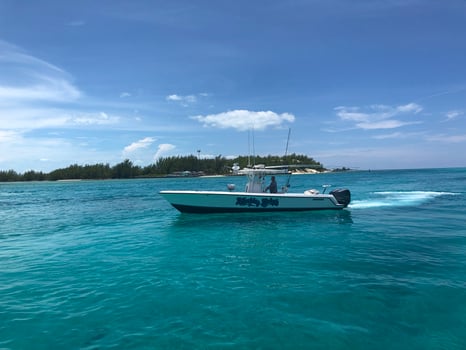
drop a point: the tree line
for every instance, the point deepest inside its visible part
(162, 167)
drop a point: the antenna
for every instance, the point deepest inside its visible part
(287, 142)
(253, 148)
(249, 148)
(286, 153)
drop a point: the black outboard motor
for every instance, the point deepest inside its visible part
(342, 195)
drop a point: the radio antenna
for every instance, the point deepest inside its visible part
(249, 148)
(287, 142)
(251, 131)
(253, 148)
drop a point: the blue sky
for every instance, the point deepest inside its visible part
(365, 83)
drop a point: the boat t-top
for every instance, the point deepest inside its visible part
(254, 198)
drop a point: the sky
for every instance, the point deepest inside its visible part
(365, 84)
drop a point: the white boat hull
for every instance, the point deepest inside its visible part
(228, 202)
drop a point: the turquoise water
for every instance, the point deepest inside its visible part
(110, 265)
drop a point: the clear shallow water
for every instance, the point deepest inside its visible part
(109, 264)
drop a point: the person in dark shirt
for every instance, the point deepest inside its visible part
(272, 187)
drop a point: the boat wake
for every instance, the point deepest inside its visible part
(397, 199)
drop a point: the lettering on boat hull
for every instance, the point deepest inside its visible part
(257, 203)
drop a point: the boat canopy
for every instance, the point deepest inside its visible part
(262, 170)
(256, 176)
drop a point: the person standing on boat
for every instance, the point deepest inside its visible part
(272, 187)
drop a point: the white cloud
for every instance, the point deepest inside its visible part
(45, 89)
(397, 135)
(410, 107)
(377, 116)
(352, 114)
(23, 153)
(383, 124)
(143, 143)
(183, 100)
(9, 137)
(27, 79)
(33, 93)
(163, 149)
(29, 118)
(18, 59)
(125, 95)
(448, 138)
(186, 100)
(94, 119)
(174, 98)
(244, 120)
(453, 115)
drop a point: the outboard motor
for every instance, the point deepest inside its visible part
(342, 195)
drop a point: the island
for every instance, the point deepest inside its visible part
(175, 166)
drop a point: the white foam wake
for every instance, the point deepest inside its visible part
(397, 199)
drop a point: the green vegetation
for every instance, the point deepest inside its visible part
(162, 167)
(341, 169)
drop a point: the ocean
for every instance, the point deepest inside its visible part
(111, 265)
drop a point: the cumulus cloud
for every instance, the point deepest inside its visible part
(378, 116)
(244, 120)
(143, 143)
(163, 149)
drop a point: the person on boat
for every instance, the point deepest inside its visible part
(272, 187)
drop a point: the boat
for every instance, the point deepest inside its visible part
(255, 199)
(186, 173)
